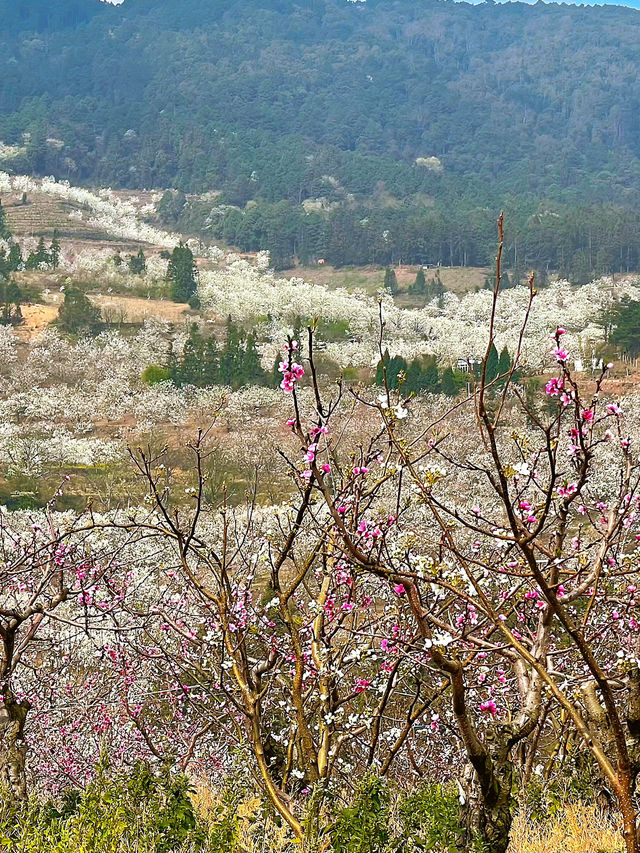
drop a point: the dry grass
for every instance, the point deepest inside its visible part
(574, 829)
(135, 309)
(256, 833)
(458, 280)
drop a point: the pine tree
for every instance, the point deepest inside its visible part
(449, 386)
(192, 368)
(504, 362)
(5, 231)
(414, 377)
(384, 362)
(396, 371)
(14, 259)
(390, 281)
(492, 363)
(10, 299)
(173, 365)
(77, 315)
(253, 374)
(182, 273)
(137, 263)
(419, 286)
(211, 369)
(39, 258)
(54, 251)
(229, 360)
(430, 374)
(42, 256)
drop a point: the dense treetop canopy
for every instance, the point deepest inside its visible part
(266, 98)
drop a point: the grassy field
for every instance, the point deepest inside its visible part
(458, 280)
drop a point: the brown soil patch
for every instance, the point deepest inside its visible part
(36, 319)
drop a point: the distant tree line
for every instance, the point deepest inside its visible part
(425, 374)
(579, 242)
(204, 362)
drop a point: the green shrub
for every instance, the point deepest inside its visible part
(140, 810)
(430, 820)
(223, 830)
(153, 374)
(363, 827)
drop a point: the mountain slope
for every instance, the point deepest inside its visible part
(264, 98)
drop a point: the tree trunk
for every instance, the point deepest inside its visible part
(485, 817)
(13, 749)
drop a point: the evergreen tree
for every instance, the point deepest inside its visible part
(211, 371)
(504, 362)
(54, 251)
(449, 385)
(384, 362)
(492, 363)
(10, 299)
(77, 315)
(14, 258)
(42, 256)
(252, 372)
(414, 377)
(396, 371)
(229, 360)
(419, 286)
(390, 281)
(192, 368)
(173, 365)
(624, 320)
(137, 263)
(39, 258)
(430, 374)
(182, 273)
(5, 231)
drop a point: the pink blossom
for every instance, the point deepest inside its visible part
(553, 386)
(560, 354)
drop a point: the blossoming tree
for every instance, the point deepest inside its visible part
(516, 554)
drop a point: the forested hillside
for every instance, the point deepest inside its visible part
(421, 114)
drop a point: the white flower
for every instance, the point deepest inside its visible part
(400, 412)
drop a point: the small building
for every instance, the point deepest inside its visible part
(463, 364)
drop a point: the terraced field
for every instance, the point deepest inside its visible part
(43, 213)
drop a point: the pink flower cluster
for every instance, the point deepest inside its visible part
(290, 372)
(290, 375)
